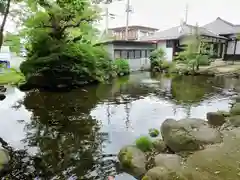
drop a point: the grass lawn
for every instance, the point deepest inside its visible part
(10, 76)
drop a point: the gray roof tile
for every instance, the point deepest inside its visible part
(175, 33)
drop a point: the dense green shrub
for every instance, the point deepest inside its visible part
(121, 66)
(59, 58)
(156, 57)
(144, 143)
(204, 60)
(153, 132)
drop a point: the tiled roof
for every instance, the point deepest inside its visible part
(179, 31)
(220, 26)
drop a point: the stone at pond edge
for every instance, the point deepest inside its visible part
(159, 145)
(188, 134)
(132, 160)
(235, 110)
(224, 113)
(4, 158)
(235, 121)
(169, 161)
(162, 173)
(2, 97)
(215, 118)
(3, 89)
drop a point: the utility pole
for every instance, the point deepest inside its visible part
(186, 13)
(106, 20)
(127, 19)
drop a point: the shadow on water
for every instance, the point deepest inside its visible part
(76, 135)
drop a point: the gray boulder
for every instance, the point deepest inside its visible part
(235, 110)
(132, 160)
(4, 158)
(188, 134)
(216, 118)
(169, 161)
(159, 145)
(162, 173)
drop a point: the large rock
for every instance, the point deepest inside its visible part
(4, 158)
(234, 121)
(169, 161)
(216, 118)
(2, 97)
(188, 134)
(132, 160)
(235, 110)
(159, 145)
(3, 89)
(162, 173)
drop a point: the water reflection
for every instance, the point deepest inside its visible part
(76, 135)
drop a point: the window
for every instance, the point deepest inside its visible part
(131, 54)
(117, 54)
(143, 54)
(124, 54)
(169, 43)
(137, 54)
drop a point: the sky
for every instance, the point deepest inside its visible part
(163, 14)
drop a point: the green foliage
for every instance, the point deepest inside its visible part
(153, 132)
(156, 57)
(13, 41)
(195, 53)
(11, 76)
(144, 143)
(121, 67)
(60, 49)
(204, 60)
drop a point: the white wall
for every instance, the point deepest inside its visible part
(169, 51)
(238, 47)
(230, 47)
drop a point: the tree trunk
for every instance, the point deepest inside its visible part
(5, 15)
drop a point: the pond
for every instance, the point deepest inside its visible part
(77, 134)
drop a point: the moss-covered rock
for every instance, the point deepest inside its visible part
(162, 173)
(170, 161)
(215, 118)
(234, 121)
(224, 113)
(132, 160)
(4, 158)
(153, 132)
(159, 145)
(235, 110)
(188, 134)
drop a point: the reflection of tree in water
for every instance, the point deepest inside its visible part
(67, 138)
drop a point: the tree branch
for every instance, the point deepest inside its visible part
(77, 24)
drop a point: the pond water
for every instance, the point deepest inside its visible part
(76, 135)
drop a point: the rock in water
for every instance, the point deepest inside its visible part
(132, 160)
(4, 158)
(188, 134)
(3, 89)
(235, 110)
(169, 161)
(2, 97)
(162, 173)
(215, 118)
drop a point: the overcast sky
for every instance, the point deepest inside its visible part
(164, 14)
